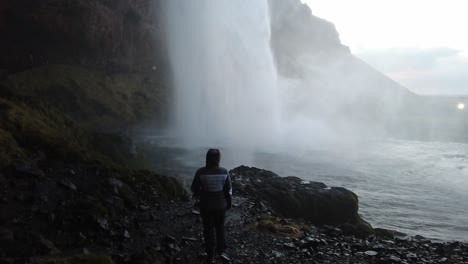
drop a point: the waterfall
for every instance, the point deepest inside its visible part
(224, 77)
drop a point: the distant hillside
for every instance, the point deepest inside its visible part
(308, 49)
(323, 80)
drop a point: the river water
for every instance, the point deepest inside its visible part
(410, 186)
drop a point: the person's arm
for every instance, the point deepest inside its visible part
(196, 185)
(228, 191)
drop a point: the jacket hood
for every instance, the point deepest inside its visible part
(213, 156)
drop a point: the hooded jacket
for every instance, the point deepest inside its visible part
(212, 184)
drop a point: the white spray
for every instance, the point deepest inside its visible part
(224, 74)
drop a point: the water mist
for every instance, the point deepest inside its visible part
(223, 70)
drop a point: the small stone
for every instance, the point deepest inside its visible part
(195, 212)
(170, 239)
(68, 184)
(103, 223)
(189, 239)
(174, 247)
(225, 258)
(370, 253)
(49, 245)
(126, 234)
(419, 237)
(289, 245)
(277, 254)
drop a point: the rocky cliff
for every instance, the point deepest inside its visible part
(297, 33)
(322, 79)
(77, 65)
(113, 35)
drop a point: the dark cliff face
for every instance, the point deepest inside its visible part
(296, 32)
(324, 79)
(114, 35)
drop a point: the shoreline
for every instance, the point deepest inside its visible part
(83, 212)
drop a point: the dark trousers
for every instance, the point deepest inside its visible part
(214, 221)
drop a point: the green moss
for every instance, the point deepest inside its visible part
(267, 225)
(26, 128)
(10, 151)
(56, 109)
(93, 98)
(274, 225)
(167, 187)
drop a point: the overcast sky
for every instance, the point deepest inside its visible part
(422, 44)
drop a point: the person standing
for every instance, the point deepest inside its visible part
(212, 185)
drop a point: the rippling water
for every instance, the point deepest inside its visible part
(414, 187)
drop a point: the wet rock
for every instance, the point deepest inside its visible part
(121, 189)
(361, 229)
(174, 247)
(411, 256)
(103, 223)
(419, 238)
(27, 170)
(144, 207)
(370, 253)
(6, 235)
(169, 239)
(289, 245)
(290, 198)
(225, 258)
(395, 259)
(47, 246)
(70, 185)
(384, 233)
(311, 242)
(189, 239)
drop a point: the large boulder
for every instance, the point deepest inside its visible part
(294, 198)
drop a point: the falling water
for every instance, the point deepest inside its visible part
(223, 70)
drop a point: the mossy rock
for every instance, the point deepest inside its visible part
(62, 111)
(10, 150)
(289, 197)
(276, 226)
(165, 186)
(29, 128)
(93, 98)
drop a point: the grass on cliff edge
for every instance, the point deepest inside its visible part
(28, 129)
(93, 98)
